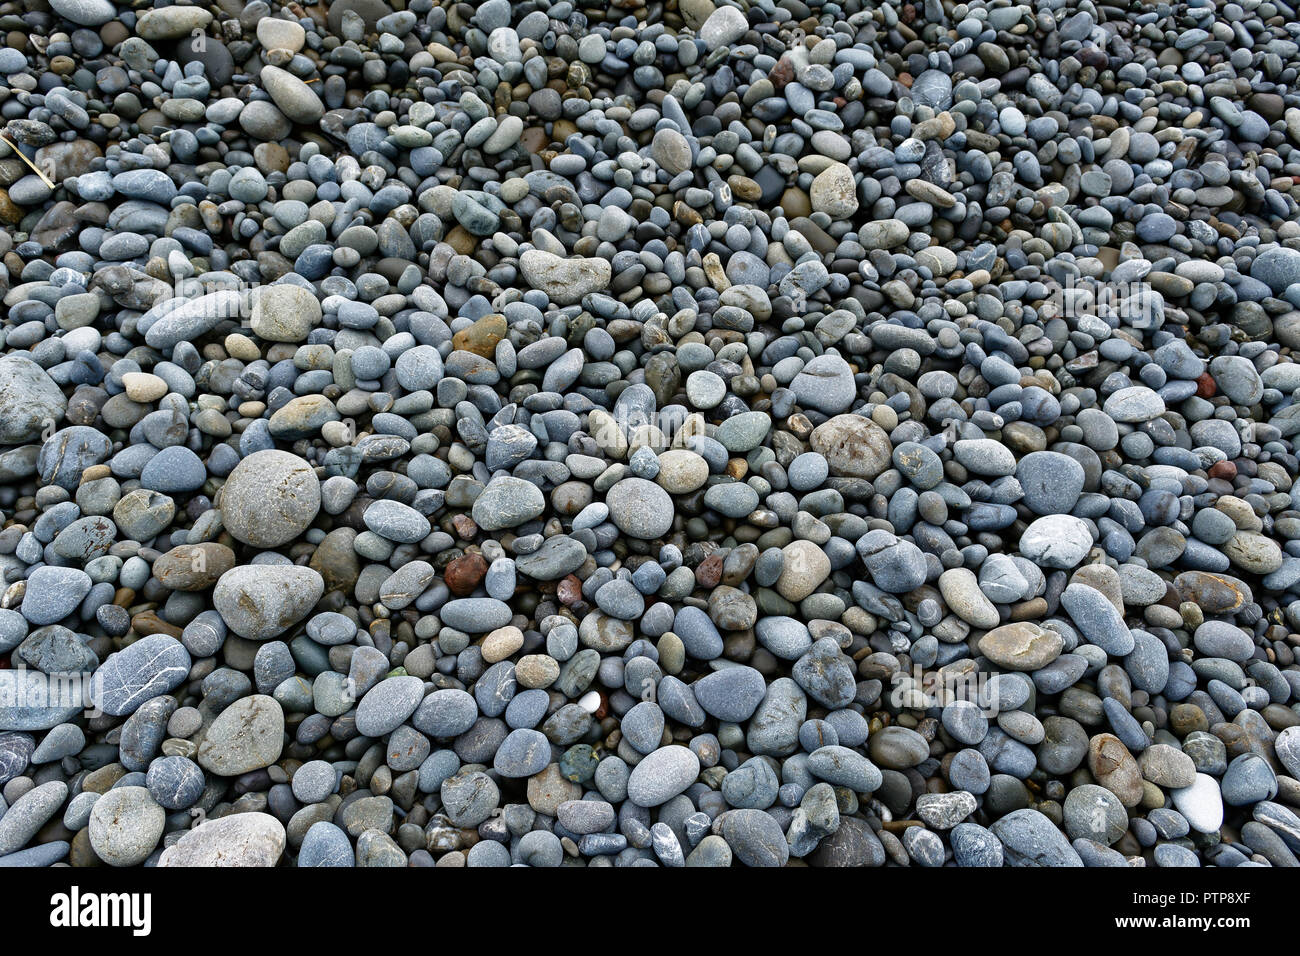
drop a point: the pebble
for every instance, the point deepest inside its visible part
(617, 437)
(241, 839)
(125, 823)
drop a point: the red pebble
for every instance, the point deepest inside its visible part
(569, 590)
(709, 571)
(465, 573)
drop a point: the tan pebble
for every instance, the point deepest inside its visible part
(240, 346)
(501, 643)
(143, 387)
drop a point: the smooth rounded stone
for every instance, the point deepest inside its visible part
(284, 313)
(896, 566)
(523, 753)
(26, 815)
(240, 839)
(313, 781)
(1097, 619)
(173, 470)
(640, 508)
(325, 845)
(1030, 839)
(1287, 747)
(853, 446)
(1167, 766)
(662, 775)
(734, 500)
(671, 150)
(744, 432)
(31, 404)
(277, 34)
(31, 700)
(897, 748)
(965, 721)
(753, 785)
(294, 97)
(507, 502)
(1248, 780)
(387, 705)
(262, 601)
(755, 838)
(564, 280)
(724, 26)
(1021, 646)
(943, 811)
(1201, 802)
(1223, 639)
(53, 593)
(1051, 481)
(1277, 267)
(807, 472)
(585, 816)
(475, 615)
(984, 456)
(842, 767)
(150, 667)
(1056, 541)
(270, 498)
(1237, 378)
(396, 522)
(445, 713)
(419, 368)
(923, 847)
(731, 694)
(834, 192)
(1113, 766)
(643, 726)
(193, 317)
(884, 234)
(961, 592)
(805, 566)
(193, 567)
(1094, 813)
(247, 735)
(125, 825)
(86, 13)
(1137, 403)
(681, 472)
(1172, 855)
(974, 846)
(785, 637)
(1253, 553)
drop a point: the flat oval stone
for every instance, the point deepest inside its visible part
(150, 667)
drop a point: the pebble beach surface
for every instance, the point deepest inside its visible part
(693, 433)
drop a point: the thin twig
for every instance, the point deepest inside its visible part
(23, 156)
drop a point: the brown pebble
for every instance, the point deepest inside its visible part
(465, 573)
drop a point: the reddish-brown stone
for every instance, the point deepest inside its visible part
(569, 590)
(465, 573)
(1205, 386)
(465, 527)
(709, 571)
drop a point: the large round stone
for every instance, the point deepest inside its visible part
(853, 446)
(640, 508)
(270, 498)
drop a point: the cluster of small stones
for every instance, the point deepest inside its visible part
(688, 433)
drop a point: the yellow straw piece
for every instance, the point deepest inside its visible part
(23, 156)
